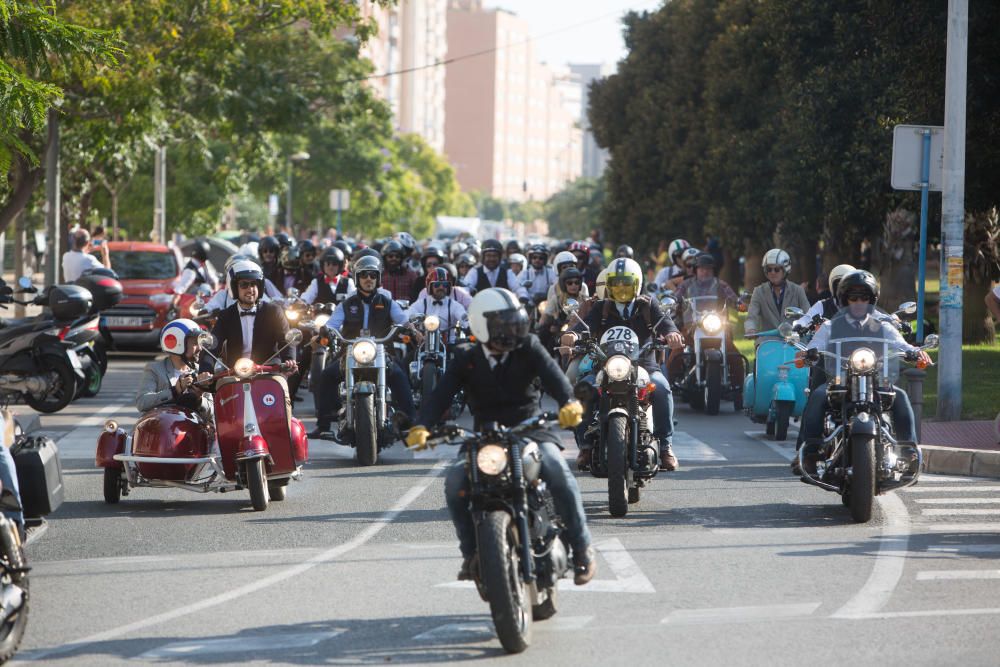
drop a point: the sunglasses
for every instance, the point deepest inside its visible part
(369, 274)
(438, 285)
(854, 298)
(246, 284)
(691, 265)
(574, 282)
(775, 269)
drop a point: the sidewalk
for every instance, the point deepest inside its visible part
(961, 448)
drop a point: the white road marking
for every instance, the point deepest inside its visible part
(934, 613)
(951, 575)
(740, 614)
(81, 442)
(889, 562)
(249, 644)
(961, 511)
(958, 501)
(934, 478)
(689, 449)
(966, 548)
(964, 528)
(787, 452)
(942, 489)
(373, 529)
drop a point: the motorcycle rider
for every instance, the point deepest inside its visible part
(826, 308)
(517, 262)
(308, 264)
(464, 264)
(440, 302)
(397, 277)
(570, 286)
(628, 307)
(770, 298)
(563, 261)
(224, 297)
(676, 266)
(368, 309)
(197, 271)
(538, 273)
(432, 257)
(492, 273)
(857, 294)
(268, 249)
(333, 285)
(498, 374)
(172, 378)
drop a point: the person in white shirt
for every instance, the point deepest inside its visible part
(334, 282)
(491, 273)
(79, 259)
(440, 303)
(540, 276)
(198, 270)
(224, 297)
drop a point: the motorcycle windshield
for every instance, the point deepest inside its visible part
(847, 341)
(696, 306)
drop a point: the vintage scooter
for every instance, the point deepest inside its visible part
(254, 444)
(776, 391)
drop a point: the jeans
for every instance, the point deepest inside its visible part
(812, 416)
(663, 411)
(329, 386)
(558, 478)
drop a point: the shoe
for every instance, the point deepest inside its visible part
(465, 572)
(668, 461)
(584, 566)
(297, 399)
(321, 431)
(583, 459)
(810, 453)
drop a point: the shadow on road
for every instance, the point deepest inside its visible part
(767, 515)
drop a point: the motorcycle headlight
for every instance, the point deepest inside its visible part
(711, 323)
(431, 323)
(321, 319)
(243, 367)
(491, 459)
(363, 352)
(291, 315)
(542, 306)
(618, 367)
(862, 360)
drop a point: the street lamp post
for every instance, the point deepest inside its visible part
(301, 156)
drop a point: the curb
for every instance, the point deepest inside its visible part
(956, 461)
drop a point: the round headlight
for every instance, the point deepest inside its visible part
(618, 367)
(542, 306)
(491, 459)
(243, 367)
(431, 323)
(291, 315)
(364, 352)
(862, 360)
(321, 319)
(111, 426)
(712, 323)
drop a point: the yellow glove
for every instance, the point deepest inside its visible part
(416, 439)
(570, 414)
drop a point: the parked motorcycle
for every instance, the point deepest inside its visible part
(254, 442)
(520, 540)
(705, 383)
(859, 457)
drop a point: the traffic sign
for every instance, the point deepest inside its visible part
(907, 156)
(340, 200)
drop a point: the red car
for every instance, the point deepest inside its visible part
(147, 272)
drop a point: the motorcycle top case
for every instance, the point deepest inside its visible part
(68, 302)
(103, 286)
(39, 474)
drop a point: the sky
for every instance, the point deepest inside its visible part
(589, 30)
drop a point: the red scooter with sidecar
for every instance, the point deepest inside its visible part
(254, 444)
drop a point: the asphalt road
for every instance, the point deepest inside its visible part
(730, 560)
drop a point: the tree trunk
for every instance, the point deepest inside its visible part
(25, 179)
(753, 275)
(977, 324)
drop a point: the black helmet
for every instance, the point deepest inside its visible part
(705, 259)
(291, 258)
(284, 240)
(344, 246)
(858, 281)
(570, 273)
(307, 246)
(538, 249)
(491, 245)
(333, 255)
(268, 244)
(625, 251)
(394, 248)
(366, 264)
(513, 246)
(366, 252)
(200, 250)
(432, 251)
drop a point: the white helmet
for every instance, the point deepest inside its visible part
(837, 273)
(497, 317)
(676, 247)
(517, 258)
(249, 249)
(173, 337)
(565, 257)
(689, 255)
(599, 284)
(776, 257)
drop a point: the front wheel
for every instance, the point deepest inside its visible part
(617, 477)
(713, 388)
(257, 483)
(112, 485)
(510, 603)
(61, 387)
(365, 430)
(862, 487)
(428, 378)
(783, 414)
(14, 575)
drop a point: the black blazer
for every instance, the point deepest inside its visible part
(269, 329)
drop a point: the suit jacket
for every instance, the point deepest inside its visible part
(764, 314)
(156, 389)
(269, 329)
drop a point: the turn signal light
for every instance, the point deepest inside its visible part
(921, 364)
(646, 391)
(405, 339)
(324, 341)
(800, 363)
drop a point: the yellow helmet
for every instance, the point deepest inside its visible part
(624, 280)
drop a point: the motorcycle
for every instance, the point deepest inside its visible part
(520, 539)
(624, 450)
(706, 365)
(431, 361)
(367, 422)
(13, 580)
(859, 457)
(254, 442)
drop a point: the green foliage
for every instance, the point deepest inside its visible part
(576, 210)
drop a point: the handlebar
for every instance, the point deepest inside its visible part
(453, 434)
(396, 328)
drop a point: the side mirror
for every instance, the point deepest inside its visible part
(206, 340)
(292, 293)
(930, 342)
(651, 288)
(403, 303)
(668, 302)
(197, 308)
(293, 337)
(793, 313)
(908, 308)
(204, 291)
(571, 306)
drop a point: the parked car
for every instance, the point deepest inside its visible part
(147, 272)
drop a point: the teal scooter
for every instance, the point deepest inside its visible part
(776, 392)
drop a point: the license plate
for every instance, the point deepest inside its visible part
(124, 321)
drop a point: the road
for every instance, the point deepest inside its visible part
(730, 560)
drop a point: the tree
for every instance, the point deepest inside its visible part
(576, 210)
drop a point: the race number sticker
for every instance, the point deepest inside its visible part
(618, 334)
(268, 400)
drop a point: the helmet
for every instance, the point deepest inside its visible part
(344, 246)
(565, 257)
(452, 271)
(291, 258)
(600, 288)
(250, 248)
(776, 257)
(365, 252)
(438, 274)
(539, 249)
(458, 248)
(307, 246)
(596, 257)
(857, 281)
(268, 244)
(407, 241)
(497, 318)
(244, 269)
(232, 260)
(581, 247)
(705, 259)
(676, 247)
(512, 247)
(570, 273)
(465, 259)
(333, 255)
(368, 263)
(394, 248)
(284, 240)
(492, 245)
(432, 251)
(689, 255)
(474, 249)
(624, 280)
(837, 273)
(173, 337)
(625, 251)
(200, 250)
(517, 258)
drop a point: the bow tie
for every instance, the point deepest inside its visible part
(437, 303)
(332, 281)
(248, 313)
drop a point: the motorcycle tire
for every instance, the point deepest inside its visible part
(617, 466)
(257, 483)
(510, 602)
(14, 574)
(93, 378)
(713, 388)
(696, 397)
(783, 414)
(112, 486)
(547, 609)
(62, 391)
(428, 380)
(277, 489)
(316, 367)
(862, 488)
(101, 353)
(365, 430)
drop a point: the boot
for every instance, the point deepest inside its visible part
(668, 461)
(583, 460)
(584, 565)
(322, 430)
(907, 451)
(465, 572)
(811, 452)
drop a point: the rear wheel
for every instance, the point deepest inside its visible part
(365, 430)
(93, 378)
(112, 485)
(61, 386)
(617, 477)
(501, 576)
(862, 489)
(257, 483)
(713, 388)
(783, 412)
(12, 630)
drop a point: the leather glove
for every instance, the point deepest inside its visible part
(416, 439)
(570, 414)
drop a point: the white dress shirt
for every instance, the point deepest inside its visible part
(448, 310)
(246, 323)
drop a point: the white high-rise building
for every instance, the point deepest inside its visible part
(594, 157)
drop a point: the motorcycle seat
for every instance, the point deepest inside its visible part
(20, 328)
